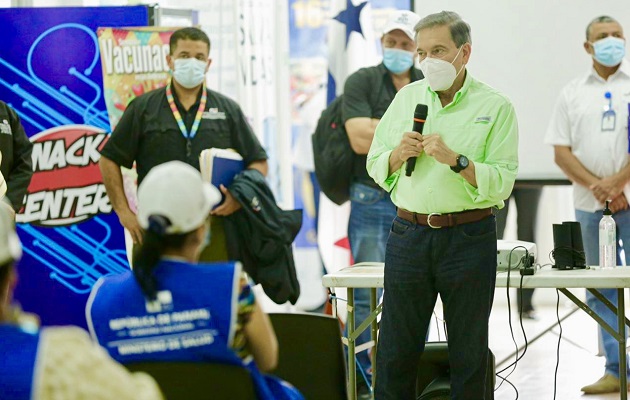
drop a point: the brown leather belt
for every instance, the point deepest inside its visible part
(437, 220)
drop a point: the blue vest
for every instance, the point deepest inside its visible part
(18, 352)
(193, 318)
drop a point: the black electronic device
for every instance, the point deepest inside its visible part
(419, 118)
(579, 256)
(433, 379)
(568, 249)
(562, 247)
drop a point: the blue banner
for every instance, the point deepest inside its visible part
(50, 73)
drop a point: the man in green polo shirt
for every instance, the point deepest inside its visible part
(443, 240)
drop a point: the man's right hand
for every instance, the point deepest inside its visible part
(112, 178)
(130, 222)
(410, 146)
(608, 188)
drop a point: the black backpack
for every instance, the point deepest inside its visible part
(332, 153)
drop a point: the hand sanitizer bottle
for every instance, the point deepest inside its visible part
(607, 240)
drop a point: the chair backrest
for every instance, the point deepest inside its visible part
(311, 355)
(192, 381)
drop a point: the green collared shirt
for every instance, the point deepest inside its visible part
(479, 123)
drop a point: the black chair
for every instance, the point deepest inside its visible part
(433, 381)
(197, 381)
(311, 354)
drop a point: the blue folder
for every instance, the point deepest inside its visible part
(224, 170)
(220, 166)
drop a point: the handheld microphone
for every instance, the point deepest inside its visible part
(419, 118)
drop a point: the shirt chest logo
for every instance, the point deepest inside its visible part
(483, 120)
(213, 113)
(163, 302)
(5, 127)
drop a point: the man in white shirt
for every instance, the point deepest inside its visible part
(589, 132)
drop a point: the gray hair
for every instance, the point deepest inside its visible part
(460, 30)
(598, 20)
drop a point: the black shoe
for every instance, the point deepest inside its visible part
(363, 391)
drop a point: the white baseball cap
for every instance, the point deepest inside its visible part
(176, 191)
(10, 248)
(404, 20)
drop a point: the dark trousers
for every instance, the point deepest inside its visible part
(216, 250)
(526, 201)
(459, 264)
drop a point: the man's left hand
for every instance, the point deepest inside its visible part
(435, 147)
(619, 203)
(229, 206)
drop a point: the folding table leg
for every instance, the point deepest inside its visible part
(373, 334)
(352, 371)
(621, 326)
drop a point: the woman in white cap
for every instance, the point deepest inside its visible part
(54, 362)
(170, 308)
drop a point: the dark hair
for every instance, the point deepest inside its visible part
(146, 257)
(460, 30)
(188, 34)
(598, 20)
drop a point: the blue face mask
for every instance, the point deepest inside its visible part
(397, 61)
(609, 51)
(189, 72)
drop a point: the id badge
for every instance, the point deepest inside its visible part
(609, 119)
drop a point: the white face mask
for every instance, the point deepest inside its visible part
(189, 72)
(439, 73)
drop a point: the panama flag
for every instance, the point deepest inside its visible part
(351, 45)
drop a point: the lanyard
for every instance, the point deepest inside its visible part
(609, 117)
(178, 117)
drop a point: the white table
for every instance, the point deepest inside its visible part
(370, 275)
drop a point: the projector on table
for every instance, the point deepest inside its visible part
(519, 250)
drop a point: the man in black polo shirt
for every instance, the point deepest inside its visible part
(176, 123)
(367, 94)
(16, 166)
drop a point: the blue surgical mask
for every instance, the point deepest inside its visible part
(397, 61)
(609, 51)
(189, 72)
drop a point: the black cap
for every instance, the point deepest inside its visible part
(606, 209)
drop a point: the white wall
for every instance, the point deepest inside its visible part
(529, 49)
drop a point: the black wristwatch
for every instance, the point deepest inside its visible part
(462, 163)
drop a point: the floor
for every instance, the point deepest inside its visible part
(534, 374)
